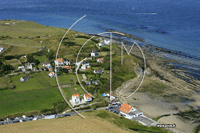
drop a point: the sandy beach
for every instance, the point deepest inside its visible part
(156, 107)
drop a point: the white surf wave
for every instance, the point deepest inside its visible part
(147, 13)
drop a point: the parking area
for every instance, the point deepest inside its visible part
(144, 120)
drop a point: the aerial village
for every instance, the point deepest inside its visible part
(62, 65)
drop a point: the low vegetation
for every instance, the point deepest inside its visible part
(156, 118)
(125, 123)
(16, 102)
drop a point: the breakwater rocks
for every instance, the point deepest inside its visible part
(179, 53)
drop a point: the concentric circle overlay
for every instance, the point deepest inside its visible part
(128, 52)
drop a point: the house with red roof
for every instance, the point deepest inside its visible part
(127, 110)
(51, 74)
(76, 98)
(59, 62)
(67, 67)
(87, 97)
(100, 60)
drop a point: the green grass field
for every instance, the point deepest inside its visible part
(21, 50)
(28, 29)
(4, 83)
(13, 62)
(16, 102)
(69, 91)
(22, 42)
(38, 81)
(41, 58)
(41, 80)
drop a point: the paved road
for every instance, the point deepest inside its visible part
(37, 117)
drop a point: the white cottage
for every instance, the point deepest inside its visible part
(87, 97)
(67, 62)
(46, 64)
(1, 49)
(51, 74)
(76, 99)
(94, 53)
(101, 44)
(107, 41)
(21, 67)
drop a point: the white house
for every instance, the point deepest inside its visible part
(107, 41)
(67, 62)
(137, 113)
(94, 53)
(1, 49)
(87, 97)
(59, 62)
(30, 65)
(98, 71)
(101, 44)
(51, 74)
(24, 78)
(21, 67)
(126, 110)
(76, 99)
(46, 64)
(85, 65)
(95, 82)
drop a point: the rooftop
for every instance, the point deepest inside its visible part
(125, 108)
(87, 95)
(76, 95)
(60, 60)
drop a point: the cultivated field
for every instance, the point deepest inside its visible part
(73, 124)
(16, 102)
(99, 121)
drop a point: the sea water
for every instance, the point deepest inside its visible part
(172, 24)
